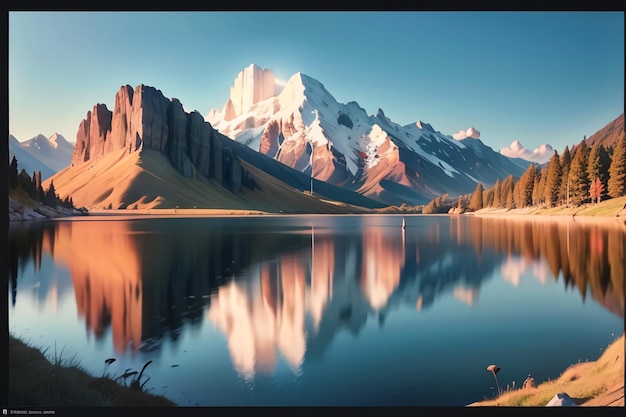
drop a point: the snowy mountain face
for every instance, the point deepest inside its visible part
(26, 161)
(55, 151)
(301, 125)
(540, 155)
(48, 155)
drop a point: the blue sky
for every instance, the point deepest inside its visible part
(536, 77)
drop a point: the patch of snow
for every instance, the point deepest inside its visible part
(472, 178)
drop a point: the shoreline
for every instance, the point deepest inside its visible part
(589, 384)
(561, 218)
(612, 208)
(599, 383)
(180, 212)
(37, 381)
(610, 212)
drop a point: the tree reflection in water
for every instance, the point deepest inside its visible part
(290, 291)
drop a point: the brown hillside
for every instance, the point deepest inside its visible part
(147, 180)
(608, 135)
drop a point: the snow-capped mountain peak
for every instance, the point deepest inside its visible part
(39, 153)
(293, 90)
(303, 126)
(252, 85)
(57, 140)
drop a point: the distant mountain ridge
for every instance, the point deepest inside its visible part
(48, 155)
(304, 127)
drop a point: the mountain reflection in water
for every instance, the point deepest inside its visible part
(274, 290)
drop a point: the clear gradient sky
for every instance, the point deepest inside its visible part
(536, 77)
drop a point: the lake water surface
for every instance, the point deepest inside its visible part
(319, 310)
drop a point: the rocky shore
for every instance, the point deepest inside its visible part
(32, 210)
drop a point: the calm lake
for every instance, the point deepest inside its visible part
(319, 310)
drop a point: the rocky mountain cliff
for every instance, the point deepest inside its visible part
(145, 119)
(170, 146)
(305, 128)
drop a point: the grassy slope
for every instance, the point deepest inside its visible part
(599, 383)
(36, 381)
(137, 180)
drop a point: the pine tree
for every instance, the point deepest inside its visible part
(566, 160)
(488, 198)
(553, 180)
(13, 174)
(50, 197)
(617, 170)
(525, 186)
(598, 164)
(506, 193)
(38, 193)
(517, 192)
(37, 179)
(476, 202)
(496, 194)
(28, 185)
(578, 178)
(537, 189)
(540, 186)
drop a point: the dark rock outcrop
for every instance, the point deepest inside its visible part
(344, 119)
(152, 108)
(199, 142)
(231, 177)
(177, 128)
